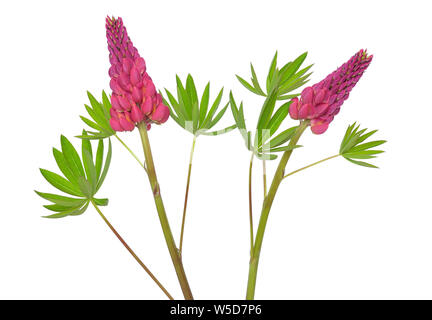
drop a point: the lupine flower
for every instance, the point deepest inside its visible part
(321, 102)
(134, 98)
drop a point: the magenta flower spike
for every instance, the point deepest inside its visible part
(321, 102)
(134, 98)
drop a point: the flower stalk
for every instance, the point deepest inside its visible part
(174, 253)
(132, 252)
(267, 204)
(264, 177)
(250, 203)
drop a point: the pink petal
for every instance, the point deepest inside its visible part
(115, 125)
(161, 114)
(150, 88)
(304, 111)
(147, 105)
(115, 103)
(293, 111)
(136, 114)
(140, 65)
(320, 109)
(307, 95)
(319, 126)
(127, 65)
(135, 76)
(320, 96)
(124, 103)
(126, 125)
(137, 95)
(115, 87)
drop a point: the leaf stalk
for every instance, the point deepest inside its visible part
(131, 251)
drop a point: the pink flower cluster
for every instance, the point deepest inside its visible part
(134, 98)
(321, 102)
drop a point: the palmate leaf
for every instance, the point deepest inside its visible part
(283, 80)
(99, 116)
(192, 112)
(83, 176)
(353, 149)
(280, 82)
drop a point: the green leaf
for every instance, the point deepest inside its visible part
(218, 117)
(93, 136)
(255, 82)
(292, 68)
(352, 147)
(184, 98)
(204, 103)
(107, 105)
(96, 117)
(193, 98)
(271, 73)
(281, 138)
(62, 200)
(101, 202)
(87, 156)
(367, 145)
(71, 212)
(191, 89)
(64, 167)
(80, 211)
(278, 117)
(106, 167)
(72, 157)
(99, 158)
(267, 110)
(361, 163)
(98, 109)
(179, 109)
(295, 81)
(246, 84)
(60, 208)
(60, 183)
(92, 124)
(85, 187)
(288, 96)
(213, 109)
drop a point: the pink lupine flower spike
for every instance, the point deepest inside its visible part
(321, 102)
(134, 98)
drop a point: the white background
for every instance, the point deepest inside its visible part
(336, 231)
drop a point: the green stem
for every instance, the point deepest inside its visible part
(186, 196)
(131, 152)
(250, 204)
(311, 165)
(174, 253)
(268, 201)
(264, 178)
(132, 252)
